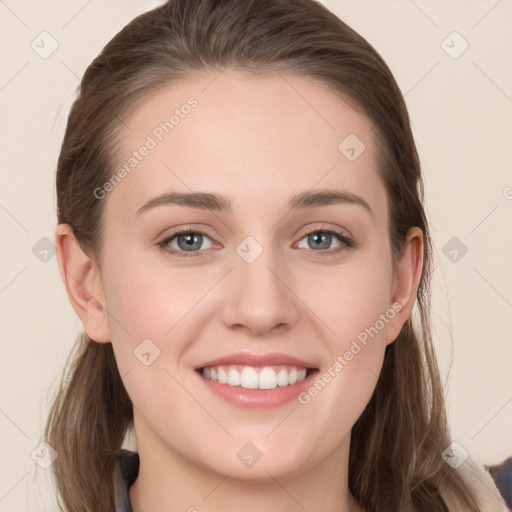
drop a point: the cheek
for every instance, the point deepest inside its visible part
(356, 310)
(147, 300)
(352, 299)
(353, 310)
(150, 308)
(149, 296)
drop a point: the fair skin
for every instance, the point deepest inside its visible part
(258, 142)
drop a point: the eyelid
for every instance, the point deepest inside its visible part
(339, 231)
(187, 228)
(345, 238)
(181, 231)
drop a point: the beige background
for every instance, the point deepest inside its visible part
(461, 111)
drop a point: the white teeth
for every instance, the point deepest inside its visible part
(222, 376)
(249, 378)
(233, 377)
(282, 377)
(269, 377)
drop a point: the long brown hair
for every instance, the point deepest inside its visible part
(395, 459)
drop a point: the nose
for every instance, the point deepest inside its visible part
(259, 299)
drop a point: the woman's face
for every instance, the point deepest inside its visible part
(254, 276)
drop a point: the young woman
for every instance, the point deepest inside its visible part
(241, 232)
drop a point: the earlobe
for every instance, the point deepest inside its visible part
(407, 274)
(83, 283)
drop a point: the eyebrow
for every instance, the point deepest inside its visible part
(220, 203)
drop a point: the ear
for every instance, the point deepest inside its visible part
(406, 277)
(83, 283)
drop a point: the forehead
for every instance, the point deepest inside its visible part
(245, 136)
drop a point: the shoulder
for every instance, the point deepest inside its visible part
(125, 473)
(480, 480)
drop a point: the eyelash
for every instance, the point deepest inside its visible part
(346, 242)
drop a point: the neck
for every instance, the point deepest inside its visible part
(169, 482)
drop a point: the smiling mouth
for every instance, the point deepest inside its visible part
(252, 377)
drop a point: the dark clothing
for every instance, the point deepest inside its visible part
(127, 472)
(502, 475)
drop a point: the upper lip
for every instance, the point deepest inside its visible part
(248, 359)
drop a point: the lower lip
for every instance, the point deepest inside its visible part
(258, 398)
